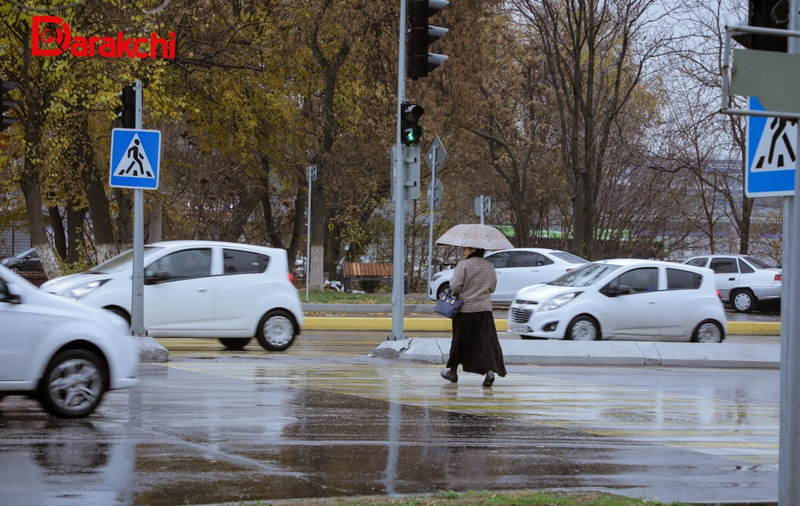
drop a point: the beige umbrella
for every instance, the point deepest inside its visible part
(474, 235)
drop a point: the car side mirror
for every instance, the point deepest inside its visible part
(7, 295)
(614, 291)
(153, 278)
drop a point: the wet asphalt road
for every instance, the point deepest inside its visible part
(324, 420)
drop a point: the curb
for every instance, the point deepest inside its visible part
(150, 350)
(445, 325)
(602, 353)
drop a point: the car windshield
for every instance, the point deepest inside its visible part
(122, 261)
(758, 263)
(569, 257)
(24, 253)
(584, 275)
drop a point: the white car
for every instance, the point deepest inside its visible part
(228, 291)
(64, 354)
(516, 268)
(742, 280)
(623, 299)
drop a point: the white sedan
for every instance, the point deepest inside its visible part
(623, 299)
(64, 354)
(743, 280)
(516, 268)
(229, 291)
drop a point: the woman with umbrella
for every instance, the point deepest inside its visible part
(475, 345)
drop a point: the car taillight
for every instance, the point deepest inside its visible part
(291, 278)
(719, 295)
(779, 277)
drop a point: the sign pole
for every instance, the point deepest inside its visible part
(137, 294)
(431, 204)
(789, 445)
(311, 175)
(398, 162)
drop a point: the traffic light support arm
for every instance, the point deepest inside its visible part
(730, 31)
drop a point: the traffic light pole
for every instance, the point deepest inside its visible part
(137, 294)
(398, 169)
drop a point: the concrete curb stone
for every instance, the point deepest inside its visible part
(608, 353)
(150, 350)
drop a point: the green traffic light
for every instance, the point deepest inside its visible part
(413, 134)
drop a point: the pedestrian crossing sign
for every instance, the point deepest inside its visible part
(135, 157)
(771, 155)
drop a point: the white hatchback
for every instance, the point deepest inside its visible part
(623, 299)
(229, 291)
(64, 354)
(516, 268)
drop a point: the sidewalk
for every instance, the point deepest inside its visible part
(598, 353)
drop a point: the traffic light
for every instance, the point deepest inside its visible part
(7, 103)
(409, 123)
(126, 111)
(766, 14)
(421, 35)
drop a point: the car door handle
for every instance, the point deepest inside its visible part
(731, 279)
(651, 302)
(202, 290)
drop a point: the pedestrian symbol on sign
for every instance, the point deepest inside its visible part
(775, 151)
(135, 162)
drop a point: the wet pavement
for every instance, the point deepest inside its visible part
(324, 420)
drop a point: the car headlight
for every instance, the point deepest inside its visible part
(558, 301)
(83, 289)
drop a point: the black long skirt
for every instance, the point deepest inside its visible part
(475, 345)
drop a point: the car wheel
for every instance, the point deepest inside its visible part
(709, 331)
(743, 301)
(235, 343)
(583, 328)
(276, 330)
(73, 384)
(444, 286)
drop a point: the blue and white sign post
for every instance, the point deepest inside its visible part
(771, 155)
(135, 159)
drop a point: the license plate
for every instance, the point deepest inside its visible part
(516, 327)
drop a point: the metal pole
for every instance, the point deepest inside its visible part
(308, 232)
(431, 205)
(789, 448)
(137, 293)
(482, 207)
(398, 285)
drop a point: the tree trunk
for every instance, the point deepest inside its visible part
(744, 238)
(124, 222)
(59, 234)
(75, 218)
(317, 260)
(156, 221)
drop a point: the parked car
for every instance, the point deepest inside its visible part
(26, 261)
(60, 352)
(742, 280)
(228, 291)
(623, 299)
(515, 269)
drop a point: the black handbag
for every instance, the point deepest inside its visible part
(448, 304)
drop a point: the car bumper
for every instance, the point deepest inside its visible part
(526, 321)
(767, 292)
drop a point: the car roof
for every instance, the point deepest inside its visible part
(628, 262)
(535, 250)
(211, 244)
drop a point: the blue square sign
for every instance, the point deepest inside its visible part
(771, 155)
(135, 157)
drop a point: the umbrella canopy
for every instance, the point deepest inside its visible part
(474, 235)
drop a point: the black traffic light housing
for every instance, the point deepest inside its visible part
(421, 35)
(766, 14)
(6, 104)
(126, 111)
(409, 123)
